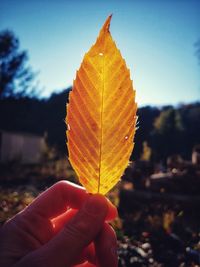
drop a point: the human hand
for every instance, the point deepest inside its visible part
(63, 227)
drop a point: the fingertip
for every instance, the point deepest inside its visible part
(112, 211)
(100, 203)
(96, 205)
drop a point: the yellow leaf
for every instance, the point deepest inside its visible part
(101, 116)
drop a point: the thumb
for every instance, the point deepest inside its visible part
(65, 248)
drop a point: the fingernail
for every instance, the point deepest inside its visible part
(113, 207)
(96, 205)
(110, 203)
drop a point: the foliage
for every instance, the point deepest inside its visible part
(146, 116)
(168, 122)
(15, 74)
(146, 153)
(190, 115)
(167, 136)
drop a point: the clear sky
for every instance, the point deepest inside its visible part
(156, 38)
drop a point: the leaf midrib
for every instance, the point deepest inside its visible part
(101, 122)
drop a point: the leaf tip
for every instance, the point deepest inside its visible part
(106, 25)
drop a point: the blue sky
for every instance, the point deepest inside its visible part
(156, 38)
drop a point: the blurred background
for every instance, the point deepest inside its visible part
(42, 44)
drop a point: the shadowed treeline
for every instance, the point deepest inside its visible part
(167, 131)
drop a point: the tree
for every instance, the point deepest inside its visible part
(15, 75)
(146, 116)
(190, 115)
(167, 136)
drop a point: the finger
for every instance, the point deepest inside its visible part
(88, 254)
(106, 247)
(59, 222)
(112, 212)
(106, 241)
(65, 248)
(55, 201)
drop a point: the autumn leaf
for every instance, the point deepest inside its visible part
(101, 116)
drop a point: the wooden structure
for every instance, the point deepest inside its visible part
(22, 147)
